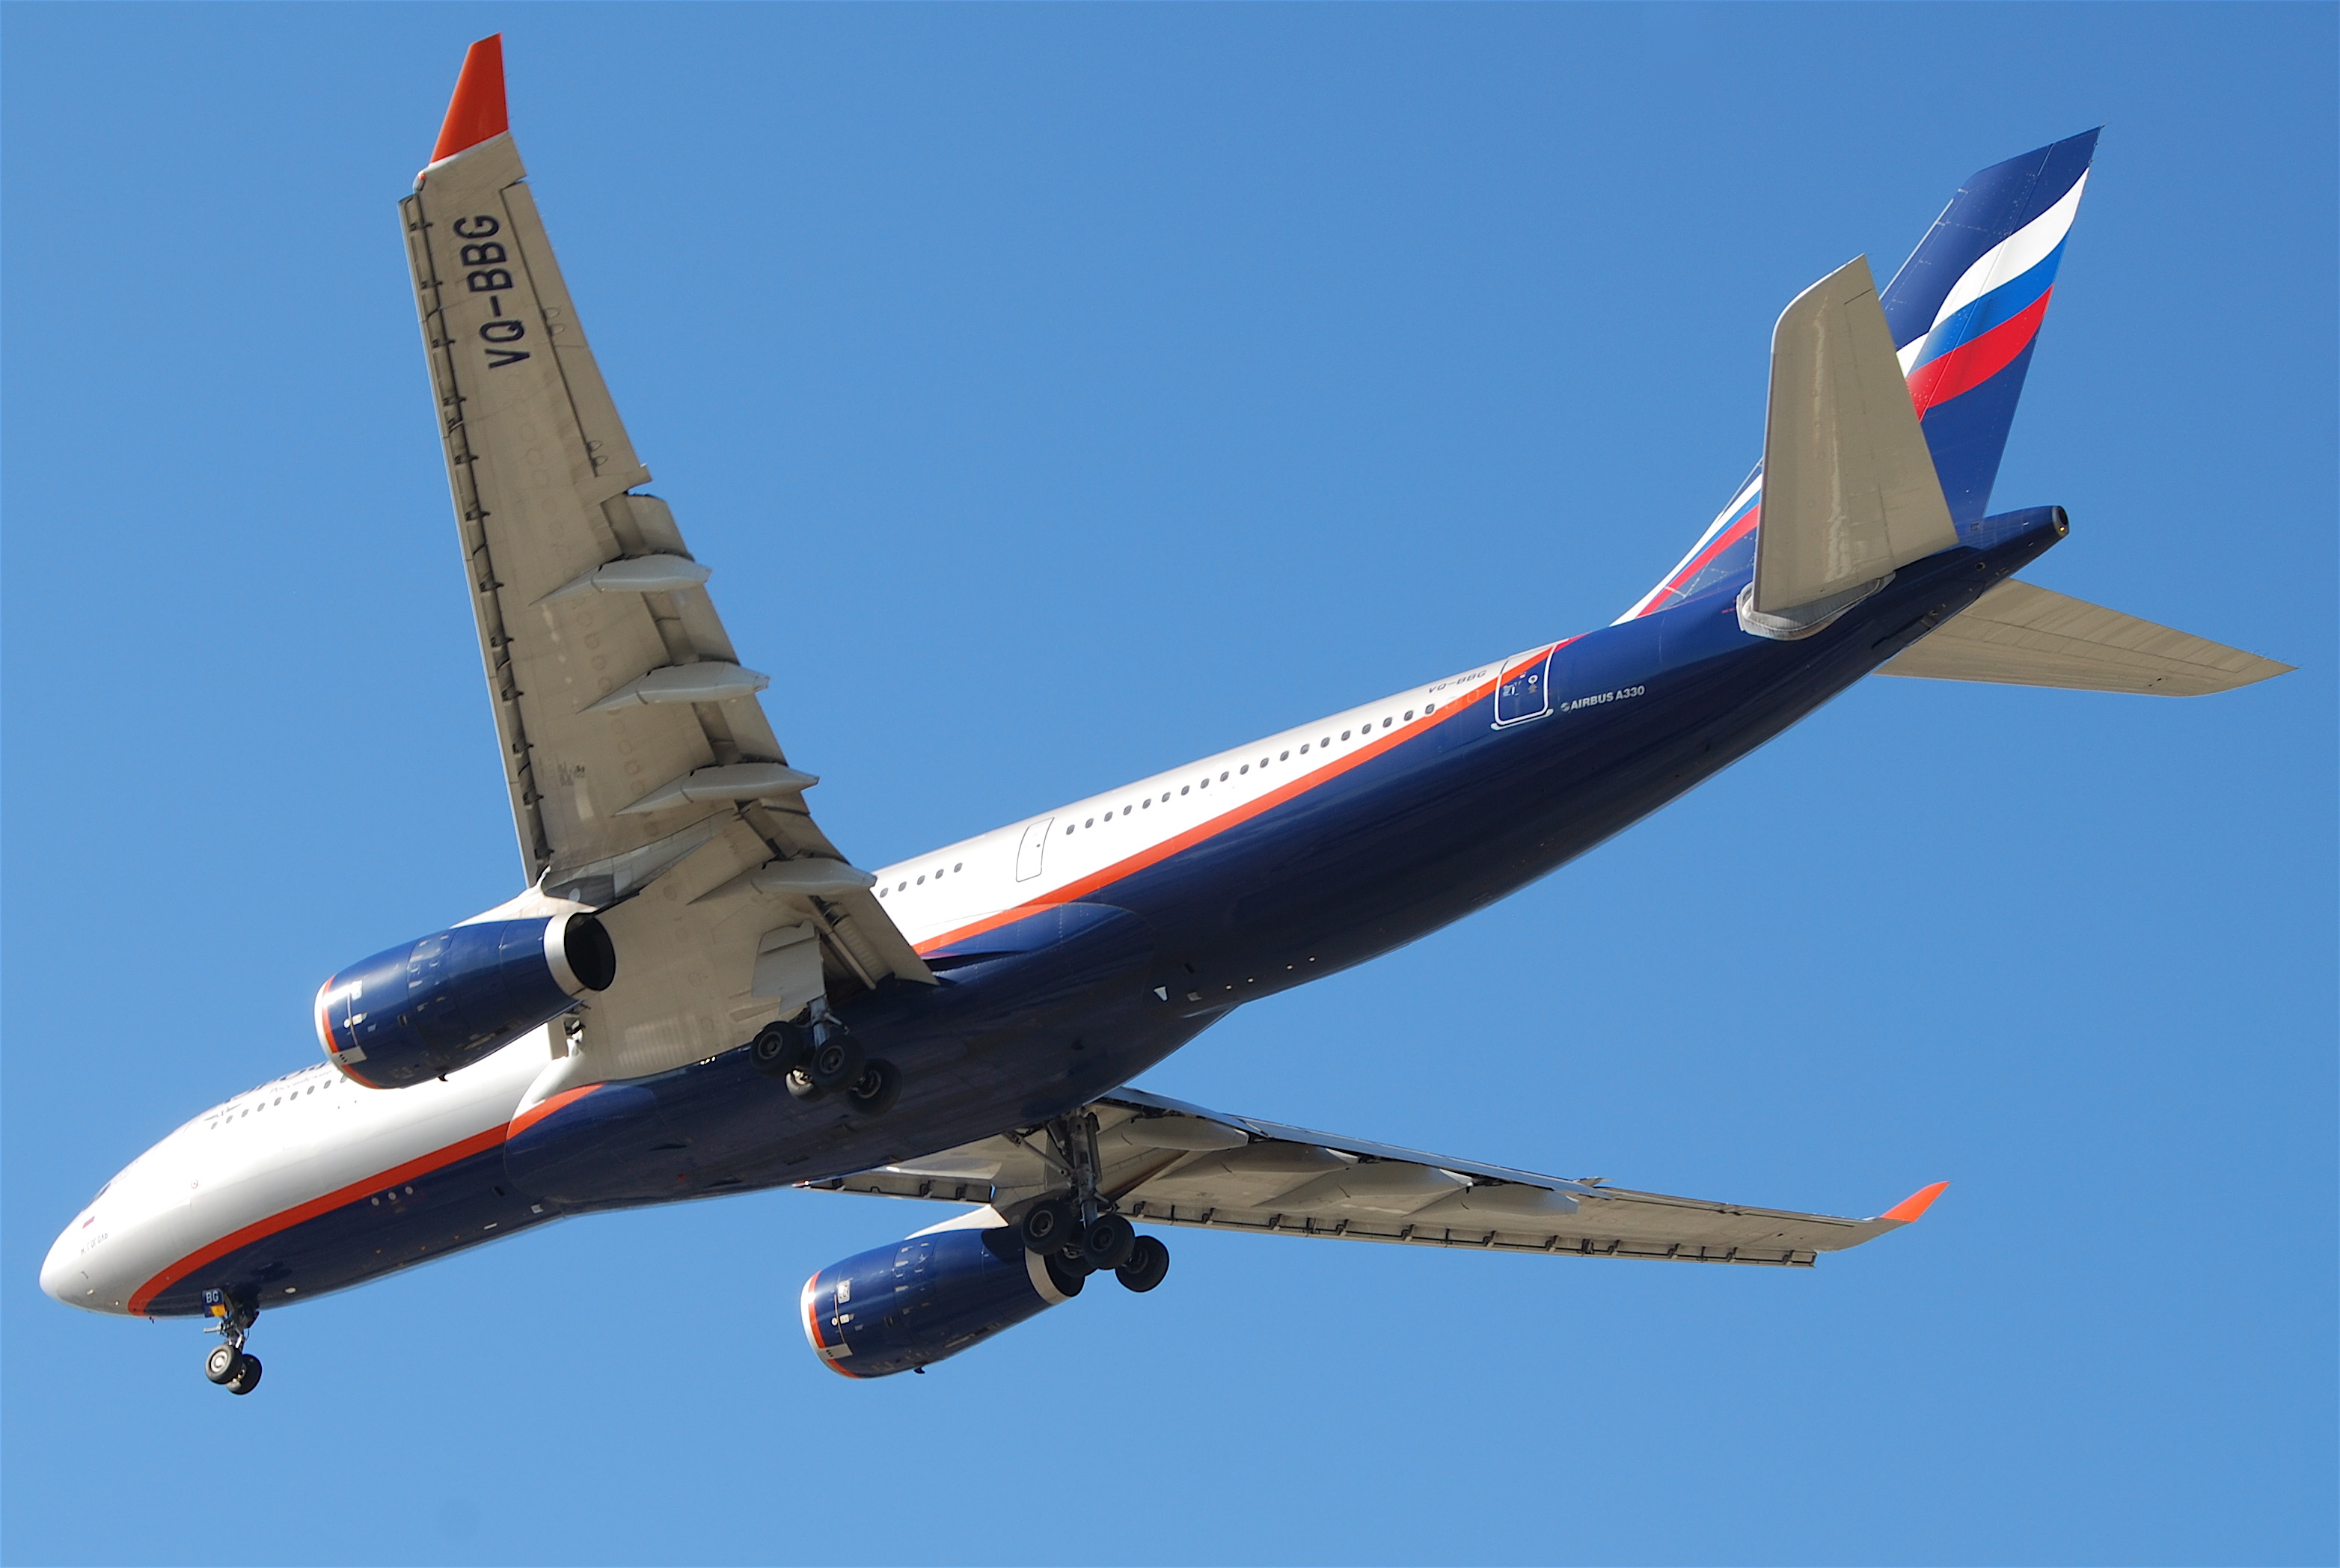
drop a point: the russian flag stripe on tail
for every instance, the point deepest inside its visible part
(1968, 303)
(1965, 312)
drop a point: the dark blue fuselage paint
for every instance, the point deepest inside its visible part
(1038, 1018)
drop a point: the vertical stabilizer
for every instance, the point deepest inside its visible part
(1965, 309)
(1964, 314)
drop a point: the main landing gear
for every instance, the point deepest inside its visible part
(1081, 1232)
(820, 1056)
(229, 1364)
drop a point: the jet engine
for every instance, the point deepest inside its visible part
(919, 1301)
(424, 1009)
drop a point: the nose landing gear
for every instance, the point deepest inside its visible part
(229, 1364)
(1083, 1233)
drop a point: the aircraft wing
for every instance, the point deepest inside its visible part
(645, 780)
(1168, 1163)
(2019, 635)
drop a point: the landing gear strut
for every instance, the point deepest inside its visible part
(1083, 1233)
(820, 1056)
(229, 1364)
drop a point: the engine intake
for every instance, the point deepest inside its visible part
(928, 1298)
(428, 1007)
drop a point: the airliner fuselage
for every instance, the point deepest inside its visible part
(1167, 904)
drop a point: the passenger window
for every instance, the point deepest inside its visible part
(1344, 735)
(1428, 709)
(1409, 716)
(959, 865)
(1090, 823)
(1323, 743)
(1385, 723)
(922, 881)
(1223, 778)
(1244, 768)
(1125, 810)
(1148, 803)
(1304, 751)
(1286, 756)
(1182, 790)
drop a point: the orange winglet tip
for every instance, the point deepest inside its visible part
(1916, 1203)
(476, 112)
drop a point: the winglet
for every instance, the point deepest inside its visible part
(476, 112)
(1916, 1203)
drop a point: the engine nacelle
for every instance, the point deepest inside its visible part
(428, 1007)
(931, 1297)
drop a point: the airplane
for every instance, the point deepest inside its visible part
(698, 994)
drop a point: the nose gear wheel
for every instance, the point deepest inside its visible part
(229, 1364)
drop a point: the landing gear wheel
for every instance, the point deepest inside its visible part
(873, 1094)
(247, 1374)
(802, 1088)
(1048, 1227)
(777, 1049)
(1067, 1275)
(1147, 1265)
(1107, 1242)
(834, 1062)
(220, 1364)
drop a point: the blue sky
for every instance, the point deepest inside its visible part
(1060, 393)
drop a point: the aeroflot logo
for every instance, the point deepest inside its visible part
(481, 252)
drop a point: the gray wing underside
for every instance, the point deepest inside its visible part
(2019, 635)
(1168, 1163)
(645, 780)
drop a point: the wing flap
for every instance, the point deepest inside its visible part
(1168, 1163)
(611, 689)
(2019, 635)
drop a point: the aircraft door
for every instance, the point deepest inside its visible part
(1524, 691)
(1029, 852)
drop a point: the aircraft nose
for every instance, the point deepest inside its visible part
(64, 1273)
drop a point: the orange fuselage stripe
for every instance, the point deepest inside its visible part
(284, 1220)
(1072, 892)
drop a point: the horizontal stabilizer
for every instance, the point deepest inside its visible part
(1849, 492)
(2019, 635)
